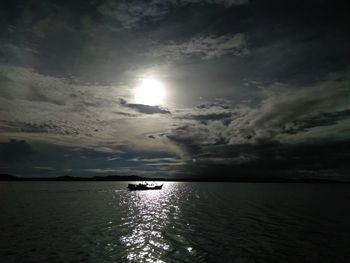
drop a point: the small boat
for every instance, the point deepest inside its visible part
(144, 186)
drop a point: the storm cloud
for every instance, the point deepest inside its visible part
(249, 85)
(204, 47)
(14, 151)
(146, 109)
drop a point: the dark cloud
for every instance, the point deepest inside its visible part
(48, 159)
(212, 105)
(285, 131)
(15, 151)
(143, 108)
(37, 95)
(192, 138)
(210, 111)
(126, 114)
(322, 119)
(204, 47)
(131, 14)
(209, 117)
(26, 84)
(289, 111)
(251, 86)
(274, 159)
(47, 127)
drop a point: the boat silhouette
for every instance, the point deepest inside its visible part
(144, 186)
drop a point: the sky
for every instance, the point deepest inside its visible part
(247, 88)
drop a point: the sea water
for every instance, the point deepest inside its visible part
(183, 222)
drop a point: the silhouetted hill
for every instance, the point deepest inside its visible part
(8, 177)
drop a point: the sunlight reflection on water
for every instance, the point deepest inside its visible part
(183, 222)
(148, 214)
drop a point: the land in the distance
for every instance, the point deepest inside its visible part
(8, 177)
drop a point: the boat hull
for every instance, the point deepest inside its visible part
(143, 187)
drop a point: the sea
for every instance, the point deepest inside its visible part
(183, 222)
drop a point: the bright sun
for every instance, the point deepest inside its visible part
(150, 92)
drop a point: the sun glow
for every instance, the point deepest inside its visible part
(150, 92)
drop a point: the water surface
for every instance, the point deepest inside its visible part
(184, 222)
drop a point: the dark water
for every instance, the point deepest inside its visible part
(184, 222)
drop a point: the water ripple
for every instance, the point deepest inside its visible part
(184, 222)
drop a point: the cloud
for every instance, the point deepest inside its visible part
(194, 137)
(146, 109)
(274, 159)
(208, 111)
(47, 127)
(285, 107)
(285, 116)
(155, 160)
(15, 151)
(38, 107)
(204, 47)
(131, 14)
(102, 170)
(281, 110)
(167, 164)
(204, 115)
(322, 119)
(226, 3)
(44, 168)
(93, 117)
(17, 52)
(209, 117)
(78, 93)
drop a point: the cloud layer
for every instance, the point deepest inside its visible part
(204, 47)
(131, 14)
(250, 86)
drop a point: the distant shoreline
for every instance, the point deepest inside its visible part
(117, 178)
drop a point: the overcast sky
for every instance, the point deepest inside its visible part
(252, 88)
